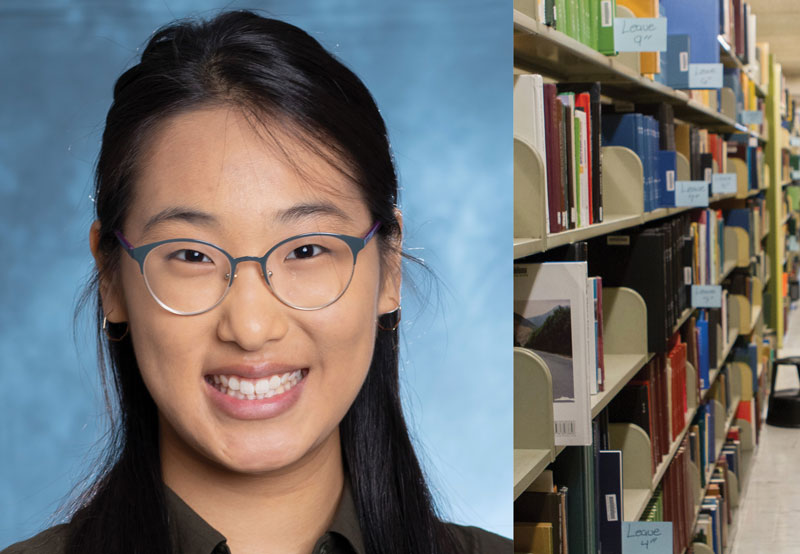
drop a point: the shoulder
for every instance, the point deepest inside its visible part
(473, 540)
(49, 541)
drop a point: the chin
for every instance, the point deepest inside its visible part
(269, 455)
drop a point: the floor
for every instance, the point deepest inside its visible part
(769, 518)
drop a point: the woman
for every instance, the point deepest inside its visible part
(256, 394)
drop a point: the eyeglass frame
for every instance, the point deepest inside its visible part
(139, 254)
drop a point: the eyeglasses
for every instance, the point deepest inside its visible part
(306, 272)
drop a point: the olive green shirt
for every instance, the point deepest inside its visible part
(192, 535)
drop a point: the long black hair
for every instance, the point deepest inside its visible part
(279, 74)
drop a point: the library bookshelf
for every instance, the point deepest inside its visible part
(753, 315)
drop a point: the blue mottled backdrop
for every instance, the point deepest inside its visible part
(439, 70)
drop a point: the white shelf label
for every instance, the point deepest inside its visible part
(723, 183)
(705, 75)
(650, 537)
(692, 194)
(794, 141)
(795, 175)
(706, 296)
(752, 117)
(640, 34)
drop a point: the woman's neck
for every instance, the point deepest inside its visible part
(280, 512)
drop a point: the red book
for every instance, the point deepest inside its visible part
(745, 410)
(553, 161)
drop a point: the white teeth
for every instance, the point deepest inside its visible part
(257, 390)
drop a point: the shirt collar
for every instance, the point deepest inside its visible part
(191, 534)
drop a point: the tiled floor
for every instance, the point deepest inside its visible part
(769, 518)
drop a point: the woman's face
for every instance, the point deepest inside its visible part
(209, 175)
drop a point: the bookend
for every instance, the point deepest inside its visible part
(534, 435)
(637, 477)
(700, 548)
(784, 405)
(737, 247)
(623, 182)
(735, 165)
(728, 102)
(529, 194)
(684, 172)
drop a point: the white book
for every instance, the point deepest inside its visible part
(529, 121)
(591, 338)
(550, 318)
(751, 36)
(580, 115)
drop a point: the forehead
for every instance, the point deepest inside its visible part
(218, 161)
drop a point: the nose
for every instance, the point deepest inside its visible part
(250, 315)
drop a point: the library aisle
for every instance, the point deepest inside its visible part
(770, 516)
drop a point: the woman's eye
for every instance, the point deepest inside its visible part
(187, 255)
(306, 251)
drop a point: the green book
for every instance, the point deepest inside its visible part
(560, 15)
(607, 10)
(586, 20)
(573, 19)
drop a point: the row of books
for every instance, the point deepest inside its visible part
(558, 314)
(565, 132)
(568, 130)
(656, 401)
(558, 307)
(580, 497)
(715, 514)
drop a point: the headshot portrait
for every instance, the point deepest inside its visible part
(255, 282)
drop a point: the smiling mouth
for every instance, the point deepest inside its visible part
(256, 389)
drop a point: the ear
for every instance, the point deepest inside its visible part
(391, 269)
(110, 289)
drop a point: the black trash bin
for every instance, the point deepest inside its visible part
(784, 405)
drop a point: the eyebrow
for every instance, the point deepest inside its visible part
(205, 219)
(180, 213)
(303, 211)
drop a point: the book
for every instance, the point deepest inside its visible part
(611, 498)
(534, 537)
(550, 317)
(542, 507)
(698, 20)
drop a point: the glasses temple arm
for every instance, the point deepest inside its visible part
(372, 231)
(124, 242)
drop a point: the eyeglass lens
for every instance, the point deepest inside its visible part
(306, 272)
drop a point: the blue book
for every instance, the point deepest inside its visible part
(711, 427)
(749, 355)
(731, 458)
(667, 169)
(610, 516)
(700, 20)
(739, 217)
(626, 130)
(710, 506)
(731, 79)
(675, 64)
(702, 347)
